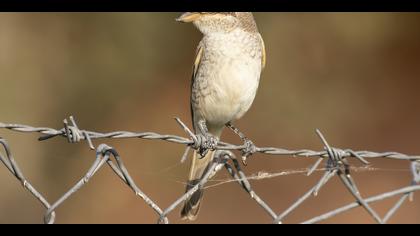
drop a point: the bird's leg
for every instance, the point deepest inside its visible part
(249, 147)
(208, 142)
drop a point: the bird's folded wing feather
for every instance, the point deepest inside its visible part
(196, 65)
(263, 57)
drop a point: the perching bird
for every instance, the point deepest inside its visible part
(226, 73)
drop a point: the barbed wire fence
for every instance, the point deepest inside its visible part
(336, 165)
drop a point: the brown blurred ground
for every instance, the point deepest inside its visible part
(353, 75)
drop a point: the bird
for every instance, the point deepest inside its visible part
(226, 74)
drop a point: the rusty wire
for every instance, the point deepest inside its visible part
(336, 165)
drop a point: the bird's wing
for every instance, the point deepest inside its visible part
(263, 57)
(198, 55)
(196, 65)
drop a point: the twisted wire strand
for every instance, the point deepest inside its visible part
(50, 133)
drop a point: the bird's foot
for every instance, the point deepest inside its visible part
(207, 142)
(249, 149)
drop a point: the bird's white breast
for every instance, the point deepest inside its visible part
(231, 65)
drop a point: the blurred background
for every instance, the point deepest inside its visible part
(355, 76)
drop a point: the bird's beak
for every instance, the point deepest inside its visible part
(188, 17)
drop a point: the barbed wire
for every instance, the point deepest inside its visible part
(336, 164)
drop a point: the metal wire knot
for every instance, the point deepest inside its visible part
(199, 142)
(74, 134)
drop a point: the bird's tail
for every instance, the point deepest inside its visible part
(198, 169)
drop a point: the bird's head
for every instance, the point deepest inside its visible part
(220, 22)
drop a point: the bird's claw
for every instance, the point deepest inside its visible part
(249, 149)
(208, 142)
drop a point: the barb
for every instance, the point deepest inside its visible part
(336, 165)
(337, 162)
